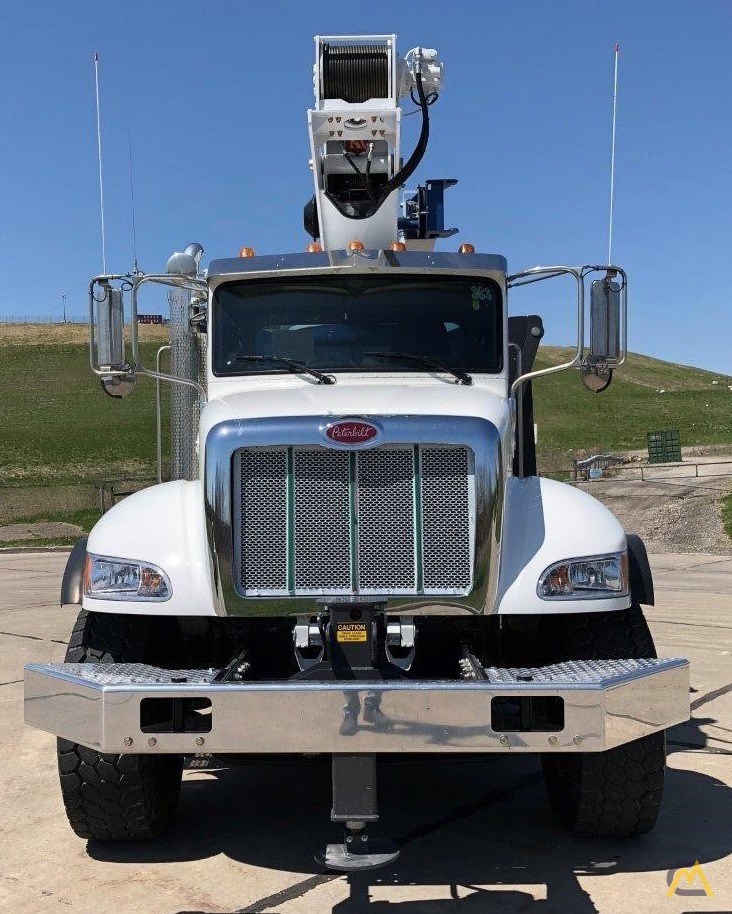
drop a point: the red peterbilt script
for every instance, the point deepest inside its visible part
(351, 432)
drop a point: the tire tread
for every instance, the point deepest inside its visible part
(616, 793)
(115, 797)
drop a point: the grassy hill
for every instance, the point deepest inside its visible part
(59, 428)
(572, 419)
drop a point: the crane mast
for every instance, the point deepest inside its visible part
(355, 130)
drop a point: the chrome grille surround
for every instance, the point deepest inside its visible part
(431, 444)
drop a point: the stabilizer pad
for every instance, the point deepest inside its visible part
(338, 857)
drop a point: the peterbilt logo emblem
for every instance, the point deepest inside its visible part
(351, 432)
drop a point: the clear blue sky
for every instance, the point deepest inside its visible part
(215, 94)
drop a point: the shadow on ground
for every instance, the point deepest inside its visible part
(463, 823)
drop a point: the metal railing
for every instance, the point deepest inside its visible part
(655, 472)
(582, 469)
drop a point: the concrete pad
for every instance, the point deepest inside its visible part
(477, 832)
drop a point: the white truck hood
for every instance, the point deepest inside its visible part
(358, 396)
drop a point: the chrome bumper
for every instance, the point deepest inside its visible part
(604, 703)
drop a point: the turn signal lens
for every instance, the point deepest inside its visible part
(355, 246)
(247, 252)
(398, 246)
(466, 249)
(314, 248)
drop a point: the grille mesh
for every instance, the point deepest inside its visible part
(322, 520)
(386, 555)
(317, 519)
(445, 518)
(263, 519)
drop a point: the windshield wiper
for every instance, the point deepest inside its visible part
(462, 376)
(290, 364)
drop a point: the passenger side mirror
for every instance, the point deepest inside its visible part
(596, 370)
(605, 320)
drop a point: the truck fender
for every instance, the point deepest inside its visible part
(546, 522)
(163, 525)
(639, 569)
(72, 585)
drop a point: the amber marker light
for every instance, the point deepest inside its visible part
(398, 246)
(247, 252)
(314, 248)
(466, 249)
(355, 246)
(87, 573)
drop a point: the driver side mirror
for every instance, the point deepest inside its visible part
(109, 349)
(110, 324)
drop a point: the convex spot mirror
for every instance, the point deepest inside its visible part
(596, 377)
(605, 321)
(119, 387)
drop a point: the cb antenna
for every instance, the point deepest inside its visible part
(616, 54)
(135, 268)
(99, 154)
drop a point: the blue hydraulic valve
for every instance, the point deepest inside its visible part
(423, 212)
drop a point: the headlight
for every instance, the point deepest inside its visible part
(119, 579)
(585, 578)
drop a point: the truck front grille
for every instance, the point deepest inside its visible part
(391, 520)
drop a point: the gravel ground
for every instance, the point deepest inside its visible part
(12, 533)
(671, 516)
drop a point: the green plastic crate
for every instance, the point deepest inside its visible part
(664, 447)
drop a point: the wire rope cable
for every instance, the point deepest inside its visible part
(355, 72)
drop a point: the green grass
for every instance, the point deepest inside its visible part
(59, 427)
(727, 514)
(42, 542)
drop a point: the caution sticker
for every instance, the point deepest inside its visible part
(348, 632)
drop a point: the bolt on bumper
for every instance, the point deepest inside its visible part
(577, 706)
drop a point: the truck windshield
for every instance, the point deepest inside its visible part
(353, 323)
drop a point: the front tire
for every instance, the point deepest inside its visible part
(111, 797)
(616, 793)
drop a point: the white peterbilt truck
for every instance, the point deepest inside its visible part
(355, 554)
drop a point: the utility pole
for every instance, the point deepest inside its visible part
(63, 305)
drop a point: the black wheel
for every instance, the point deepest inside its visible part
(115, 797)
(616, 793)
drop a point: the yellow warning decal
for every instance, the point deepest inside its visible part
(351, 631)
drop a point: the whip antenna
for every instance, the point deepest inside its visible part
(132, 204)
(99, 153)
(616, 52)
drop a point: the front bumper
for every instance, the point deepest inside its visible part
(137, 708)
